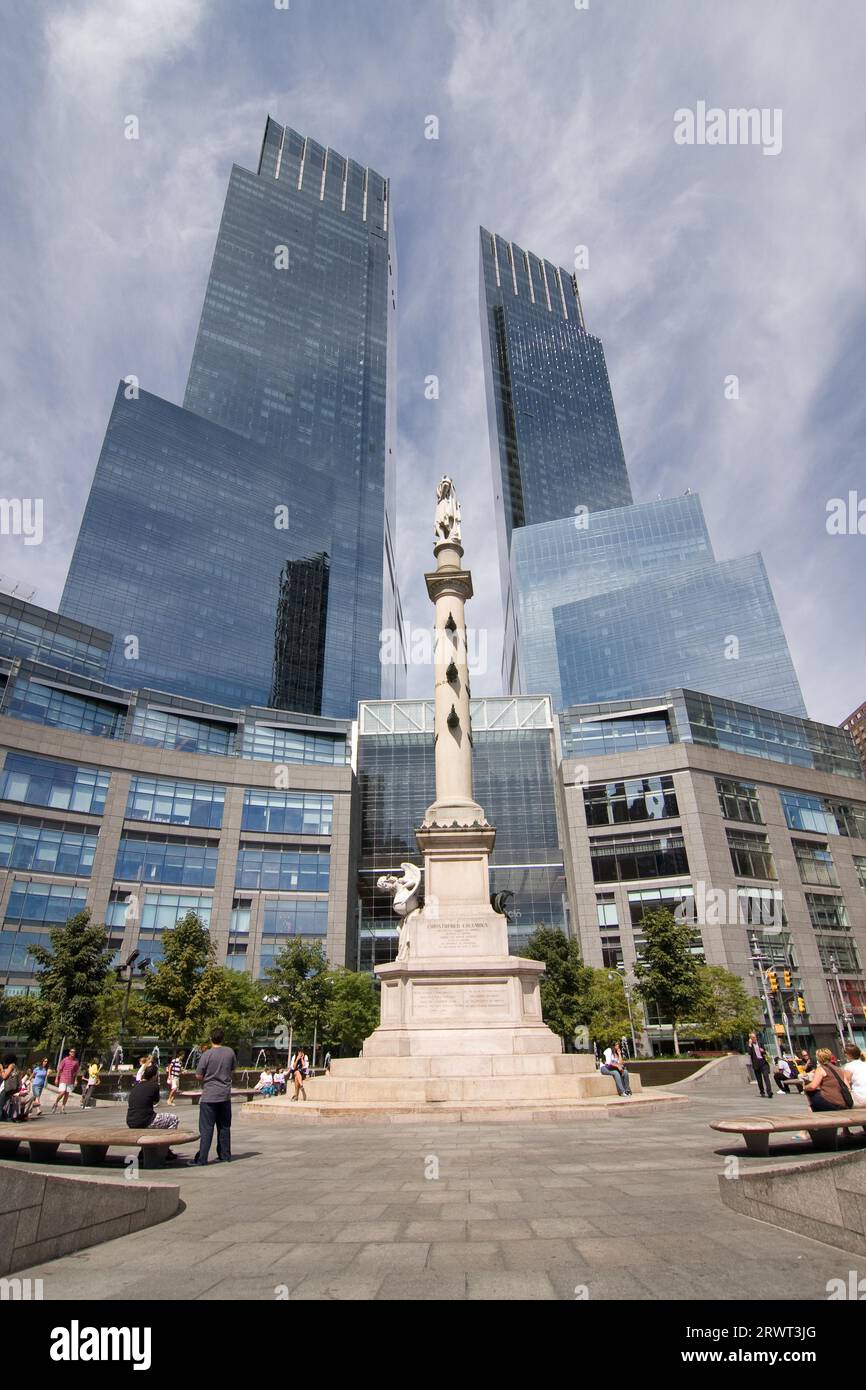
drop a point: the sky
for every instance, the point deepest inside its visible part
(556, 124)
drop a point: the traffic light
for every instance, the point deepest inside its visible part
(801, 1003)
(772, 981)
(786, 979)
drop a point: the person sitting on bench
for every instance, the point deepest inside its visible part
(141, 1107)
(828, 1088)
(785, 1070)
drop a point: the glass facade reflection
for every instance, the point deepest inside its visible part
(204, 523)
(514, 776)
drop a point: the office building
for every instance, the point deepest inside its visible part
(201, 520)
(855, 724)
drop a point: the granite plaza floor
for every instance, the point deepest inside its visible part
(625, 1208)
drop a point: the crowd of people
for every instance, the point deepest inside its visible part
(828, 1083)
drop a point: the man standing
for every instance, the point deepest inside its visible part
(760, 1066)
(214, 1071)
(67, 1073)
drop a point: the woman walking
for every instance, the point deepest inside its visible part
(300, 1072)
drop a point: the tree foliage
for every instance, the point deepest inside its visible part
(725, 1010)
(607, 1009)
(352, 1010)
(298, 985)
(566, 982)
(668, 974)
(184, 993)
(71, 975)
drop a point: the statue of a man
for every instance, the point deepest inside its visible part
(447, 526)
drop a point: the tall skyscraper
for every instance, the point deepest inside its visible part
(206, 523)
(553, 428)
(603, 598)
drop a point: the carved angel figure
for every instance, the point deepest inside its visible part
(447, 527)
(405, 889)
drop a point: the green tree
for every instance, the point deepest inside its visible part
(28, 1016)
(668, 975)
(566, 982)
(106, 1025)
(352, 1009)
(71, 976)
(297, 984)
(607, 1008)
(725, 1010)
(238, 1006)
(184, 992)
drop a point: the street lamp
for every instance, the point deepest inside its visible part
(627, 992)
(128, 970)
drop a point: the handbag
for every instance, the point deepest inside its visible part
(843, 1086)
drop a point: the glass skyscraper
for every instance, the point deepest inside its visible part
(626, 602)
(240, 548)
(603, 598)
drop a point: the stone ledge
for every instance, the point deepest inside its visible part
(824, 1199)
(46, 1215)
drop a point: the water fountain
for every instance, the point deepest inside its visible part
(193, 1059)
(261, 1059)
(117, 1059)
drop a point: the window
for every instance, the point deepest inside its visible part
(176, 803)
(827, 911)
(638, 856)
(15, 957)
(276, 745)
(84, 714)
(38, 781)
(46, 848)
(608, 918)
(815, 863)
(761, 907)
(860, 869)
(180, 861)
(642, 798)
(306, 871)
(292, 813)
(840, 952)
(824, 816)
(295, 917)
(739, 800)
(680, 901)
(750, 855)
(159, 729)
(33, 901)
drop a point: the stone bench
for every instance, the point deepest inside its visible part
(94, 1141)
(195, 1096)
(822, 1126)
(785, 1083)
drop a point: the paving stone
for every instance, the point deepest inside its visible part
(494, 1285)
(465, 1255)
(406, 1254)
(427, 1285)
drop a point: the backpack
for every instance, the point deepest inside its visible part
(843, 1085)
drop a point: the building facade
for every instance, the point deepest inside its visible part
(749, 824)
(514, 766)
(282, 455)
(855, 725)
(140, 806)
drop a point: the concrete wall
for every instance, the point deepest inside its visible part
(45, 1215)
(824, 1199)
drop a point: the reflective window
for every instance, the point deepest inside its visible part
(827, 911)
(840, 953)
(823, 815)
(815, 863)
(306, 871)
(751, 856)
(83, 714)
(187, 734)
(276, 745)
(638, 856)
(34, 901)
(739, 800)
(180, 861)
(176, 803)
(46, 848)
(39, 781)
(295, 813)
(642, 798)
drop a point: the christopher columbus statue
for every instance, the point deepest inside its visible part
(447, 513)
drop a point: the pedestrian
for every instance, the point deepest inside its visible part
(91, 1082)
(214, 1071)
(141, 1107)
(10, 1084)
(143, 1064)
(173, 1074)
(760, 1066)
(67, 1074)
(300, 1071)
(856, 1067)
(327, 1064)
(613, 1065)
(40, 1077)
(828, 1088)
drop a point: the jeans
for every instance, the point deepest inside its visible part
(210, 1113)
(620, 1078)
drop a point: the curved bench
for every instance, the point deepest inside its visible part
(822, 1127)
(93, 1141)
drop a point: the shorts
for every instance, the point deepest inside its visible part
(37, 1091)
(173, 1083)
(66, 1086)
